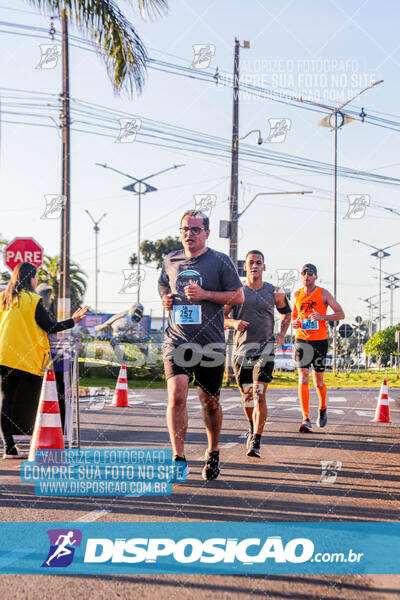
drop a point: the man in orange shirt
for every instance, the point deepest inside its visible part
(309, 317)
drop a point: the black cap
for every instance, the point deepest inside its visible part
(310, 267)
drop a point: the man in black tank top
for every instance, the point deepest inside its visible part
(254, 343)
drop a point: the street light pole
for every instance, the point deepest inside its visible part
(393, 280)
(137, 188)
(392, 286)
(269, 194)
(96, 230)
(380, 253)
(327, 122)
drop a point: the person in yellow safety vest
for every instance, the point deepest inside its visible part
(24, 346)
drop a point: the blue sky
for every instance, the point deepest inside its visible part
(295, 45)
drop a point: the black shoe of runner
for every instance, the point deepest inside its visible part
(254, 449)
(211, 469)
(15, 452)
(305, 427)
(322, 417)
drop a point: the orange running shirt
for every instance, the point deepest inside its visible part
(305, 305)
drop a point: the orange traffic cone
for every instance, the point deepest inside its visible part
(120, 397)
(47, 434)
(382, 414)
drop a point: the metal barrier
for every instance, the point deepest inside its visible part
(64, 353)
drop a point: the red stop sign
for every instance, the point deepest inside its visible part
(23, 250)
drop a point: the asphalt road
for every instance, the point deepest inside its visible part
(284, 485)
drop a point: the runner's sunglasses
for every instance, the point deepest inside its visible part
(307, 272)
(195, 230)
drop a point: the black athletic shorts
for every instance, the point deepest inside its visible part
(209, 378)
(250, 370)
(311, 353)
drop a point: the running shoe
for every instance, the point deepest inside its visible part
(15, 452)
(322, 417)
(181, 469)
(249, 439)
(254, 449)
(306, 427)
(211, 469)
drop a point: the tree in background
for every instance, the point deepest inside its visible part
(111, 32)
(49, 273)
(156, 251)
(4, 275)
(383, 343)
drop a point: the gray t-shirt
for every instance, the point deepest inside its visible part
(213, 271)
(258, 310)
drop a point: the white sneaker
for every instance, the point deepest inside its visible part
(18, 454)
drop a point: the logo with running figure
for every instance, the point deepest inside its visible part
(307, 306)
(62, 547)
(287, 279)
(49, 56)
(203, 54)
(278, 129)
(205, 203)
(358, 204)
(330, 470)
(184, 278)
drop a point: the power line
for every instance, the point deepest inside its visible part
(223, 79)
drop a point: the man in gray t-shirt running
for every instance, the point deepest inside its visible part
(194, 285)
(254, 342)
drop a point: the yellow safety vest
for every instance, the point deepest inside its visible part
(23, 344)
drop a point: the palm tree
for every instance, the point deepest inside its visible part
(49, 273)
(115, 37)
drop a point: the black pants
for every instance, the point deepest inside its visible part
(10, 379)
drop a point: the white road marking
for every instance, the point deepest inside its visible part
(365, 413)
(288, 399)
(229, 445)
(157, 403)
(92, 516)
(224, 408)
(337, 399)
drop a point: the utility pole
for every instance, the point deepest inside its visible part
(233, 208)
(334, 366)
(64, 292)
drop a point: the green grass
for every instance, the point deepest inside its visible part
(361, 379)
